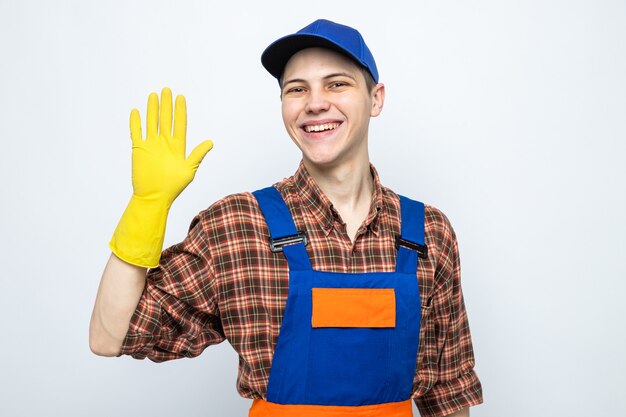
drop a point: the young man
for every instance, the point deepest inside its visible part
(340, 297)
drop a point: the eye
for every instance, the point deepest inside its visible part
(337, 84)
(294, 90)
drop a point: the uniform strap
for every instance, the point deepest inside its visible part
(410, 243)
(284, 237)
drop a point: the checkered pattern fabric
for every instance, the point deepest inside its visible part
(223, 283)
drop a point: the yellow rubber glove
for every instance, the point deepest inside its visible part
(160, 173)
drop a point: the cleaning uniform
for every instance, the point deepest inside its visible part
(223, 283)
(348, 341)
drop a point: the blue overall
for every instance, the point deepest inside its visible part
(344, 366)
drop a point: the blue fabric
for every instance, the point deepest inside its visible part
(412, 221)
(276, 212)
(344, 366)
(281, 224)
(321, 33)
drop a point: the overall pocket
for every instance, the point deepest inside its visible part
(350, 345)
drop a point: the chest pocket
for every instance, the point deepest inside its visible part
(353, 307)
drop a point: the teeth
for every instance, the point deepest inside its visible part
(321, 128)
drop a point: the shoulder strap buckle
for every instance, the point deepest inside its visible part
(276, 245)
(422, 250)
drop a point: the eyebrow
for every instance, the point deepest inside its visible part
(333, 75)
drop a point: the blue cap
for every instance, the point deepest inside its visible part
(321, 33)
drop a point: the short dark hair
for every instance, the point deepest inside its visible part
(369, 80)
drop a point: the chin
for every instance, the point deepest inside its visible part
(321, 162)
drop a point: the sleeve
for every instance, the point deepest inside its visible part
(177, 315)
(456, 386)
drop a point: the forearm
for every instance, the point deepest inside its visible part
(120, 289)
(160, 172)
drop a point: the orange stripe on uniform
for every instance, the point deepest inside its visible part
(354, 307)
(262, 408)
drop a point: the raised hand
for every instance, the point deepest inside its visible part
(161, 171)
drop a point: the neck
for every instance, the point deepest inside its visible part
(345, 186)
(349, 188)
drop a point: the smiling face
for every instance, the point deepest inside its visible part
(326, 107)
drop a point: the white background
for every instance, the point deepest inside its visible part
(510, 116)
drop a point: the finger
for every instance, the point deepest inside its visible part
(152, 116)
(165, 125)
(180, 118)
(135, 126)
(197, 155)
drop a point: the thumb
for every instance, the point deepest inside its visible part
(197, 155)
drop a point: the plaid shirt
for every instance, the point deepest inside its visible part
(223, 282)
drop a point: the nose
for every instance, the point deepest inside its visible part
(317, 102)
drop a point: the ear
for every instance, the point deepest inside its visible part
(378, 99)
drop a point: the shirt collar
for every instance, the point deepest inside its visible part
(316, 202)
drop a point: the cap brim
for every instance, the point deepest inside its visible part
(276, 56)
